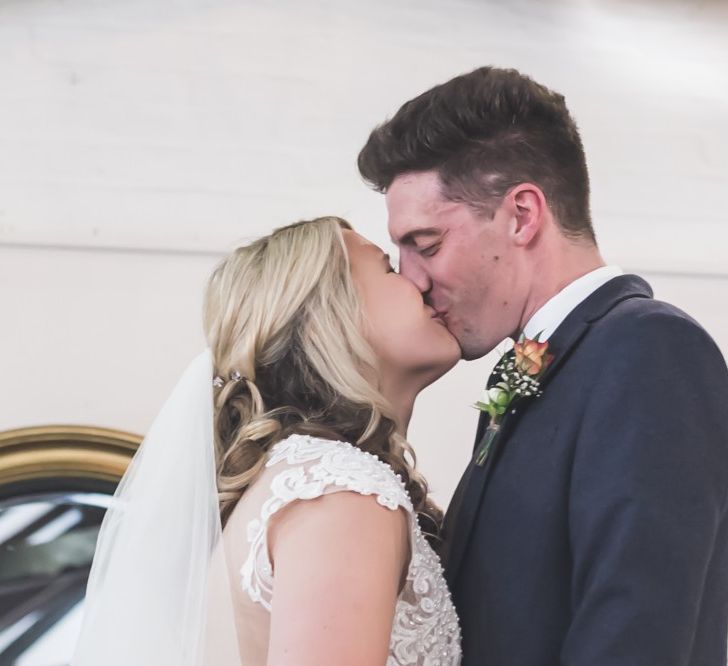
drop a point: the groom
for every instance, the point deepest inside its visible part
(595, 532)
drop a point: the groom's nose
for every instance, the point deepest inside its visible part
(409, 267)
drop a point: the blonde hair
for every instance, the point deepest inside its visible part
(284, 313)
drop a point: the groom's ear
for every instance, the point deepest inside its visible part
(529, 210)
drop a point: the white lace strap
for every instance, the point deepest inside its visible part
(312, 467)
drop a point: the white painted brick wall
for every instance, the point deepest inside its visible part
(184, 126)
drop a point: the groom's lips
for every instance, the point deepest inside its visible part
(440, 316)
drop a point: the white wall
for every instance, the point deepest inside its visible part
(140, 139)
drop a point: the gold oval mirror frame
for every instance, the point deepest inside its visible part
(33, 454)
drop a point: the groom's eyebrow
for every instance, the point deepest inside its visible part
(411, 237)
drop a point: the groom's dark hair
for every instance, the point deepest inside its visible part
(484, 133)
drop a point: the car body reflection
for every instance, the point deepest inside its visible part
(47, 542)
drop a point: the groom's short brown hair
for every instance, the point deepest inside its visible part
(483, 133)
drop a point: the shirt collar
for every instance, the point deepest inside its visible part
(550, 315)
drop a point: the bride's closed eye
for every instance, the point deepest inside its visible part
(392, 266)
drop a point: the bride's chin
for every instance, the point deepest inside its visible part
(454, 352)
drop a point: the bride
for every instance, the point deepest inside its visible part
(273, 514)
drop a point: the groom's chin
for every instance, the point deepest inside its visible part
(472, 351)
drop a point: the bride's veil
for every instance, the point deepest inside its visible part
(159, 592)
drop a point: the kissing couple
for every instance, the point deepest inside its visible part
(274, 514)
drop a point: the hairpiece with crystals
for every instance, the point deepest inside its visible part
(235, 376)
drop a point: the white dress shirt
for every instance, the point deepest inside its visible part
(550, 315)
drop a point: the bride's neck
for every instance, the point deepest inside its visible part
(401, 395)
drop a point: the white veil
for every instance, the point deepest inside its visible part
(158, 593)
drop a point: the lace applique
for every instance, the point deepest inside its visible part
(425, 630)
(336, 464)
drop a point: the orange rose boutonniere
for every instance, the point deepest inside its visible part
(519, 375)
(532, 357)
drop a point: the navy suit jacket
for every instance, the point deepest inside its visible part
(596, 533)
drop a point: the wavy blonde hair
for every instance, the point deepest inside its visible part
(284, 312)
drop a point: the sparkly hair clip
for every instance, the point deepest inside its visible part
(219, 382)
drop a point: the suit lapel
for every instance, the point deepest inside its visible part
(467, 499)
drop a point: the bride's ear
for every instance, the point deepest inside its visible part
(529, 212)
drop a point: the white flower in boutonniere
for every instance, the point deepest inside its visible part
(519, 375)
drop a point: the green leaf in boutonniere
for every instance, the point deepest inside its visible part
(519, 376)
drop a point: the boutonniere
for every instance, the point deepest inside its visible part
(519, 374)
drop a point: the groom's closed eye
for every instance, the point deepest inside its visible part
(429, 250)
(426, 242)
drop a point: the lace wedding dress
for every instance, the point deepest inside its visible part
(425, 630)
